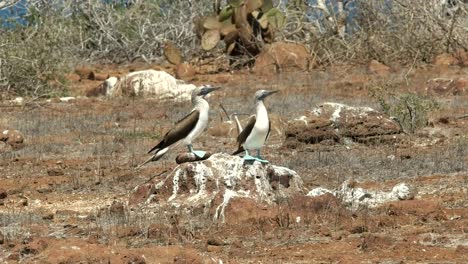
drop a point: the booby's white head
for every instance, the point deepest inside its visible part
(260, 95)
(202, 91)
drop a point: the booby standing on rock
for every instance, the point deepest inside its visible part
(257, 130)
(188, 128)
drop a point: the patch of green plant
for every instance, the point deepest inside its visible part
(409, 109)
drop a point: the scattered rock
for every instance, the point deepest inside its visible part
(55, 172)
(215, 242)
(44, 188)
(211, 248)
(48, 216)
(354, 197)
(34, 247)
(282, 56)
(336, 122)
(14, 138)
(446, 86)
(462, 57)
(84, 72)
(378, 68)
(117, 209)
(23, 202)
(15, 256)
(18, 101)
(212, 184)
(98, 76)
(444, 59)
(185, 71)
(2, 238)
(3, 193)
(134, 259)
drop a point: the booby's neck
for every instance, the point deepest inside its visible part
(261, 110)
(200, 104)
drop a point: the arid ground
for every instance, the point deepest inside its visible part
(66, 189)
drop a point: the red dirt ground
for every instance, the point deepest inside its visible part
(79, 158)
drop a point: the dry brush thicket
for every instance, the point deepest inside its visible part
(55, 36)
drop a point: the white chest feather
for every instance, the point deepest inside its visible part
(204, 109)
(257, 137)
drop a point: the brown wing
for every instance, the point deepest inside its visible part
(246, 132)
(269, 129)
(180, 130)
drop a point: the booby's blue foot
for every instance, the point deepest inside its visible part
(249, 158)
(261, 160)
(199, 153)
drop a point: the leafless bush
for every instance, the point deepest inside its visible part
(56, 35)
(400, 30)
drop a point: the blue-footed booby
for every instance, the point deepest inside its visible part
(257, 130)
(188, 128)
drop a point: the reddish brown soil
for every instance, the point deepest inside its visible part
(80, 157)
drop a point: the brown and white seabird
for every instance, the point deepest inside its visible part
(188, 128)
(257, 130)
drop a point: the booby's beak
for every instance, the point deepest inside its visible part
(206, 90)
(271, 92)
(268, 93)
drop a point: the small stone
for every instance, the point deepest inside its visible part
(185, 71)
(23, 202)
(211, 248)
(378, 68)
(48, 216)
(3, 193)
(2, 238)
(14, 256)
(215, 242)
(55, 172)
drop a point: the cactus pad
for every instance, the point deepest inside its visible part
(211, 22)
(210, 39)
(172, 53)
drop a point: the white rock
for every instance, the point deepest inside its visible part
(153, 83)
(202, 184)
(319, 191)
(18, 100)
(355, 197)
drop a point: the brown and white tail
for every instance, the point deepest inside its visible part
(157, 155)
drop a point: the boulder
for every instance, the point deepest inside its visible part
(282, 56)
(334, 122)
(185, 71)
(14, 138)
(447, 86)
(209, 186)
(354, 197)
(148, 83)
(378, 68)
(445, 59)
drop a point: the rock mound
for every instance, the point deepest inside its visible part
(209, 186)
(13, 138)
(355, 197)
(334, 122)
(281, 56)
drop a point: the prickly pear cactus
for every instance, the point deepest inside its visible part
(239, 24)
